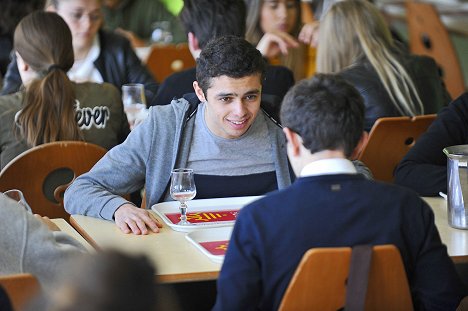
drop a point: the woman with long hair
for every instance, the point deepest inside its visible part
(274, 27)
(51, 107)
(356, 42)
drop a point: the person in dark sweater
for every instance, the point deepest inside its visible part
(329, 205)
(204, 20)
(424, 168)
(356, 42)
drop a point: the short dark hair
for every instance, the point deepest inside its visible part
(208, 19)
(230, 56)
(326, 111)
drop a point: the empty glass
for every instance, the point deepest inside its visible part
(18, 196)
(134, 101)
(183, 189)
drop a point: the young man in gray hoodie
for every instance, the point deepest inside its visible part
(225, 132)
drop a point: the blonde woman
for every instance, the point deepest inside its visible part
(356, 42)
(275, 28)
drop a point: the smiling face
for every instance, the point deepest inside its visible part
(84, 17)
(231, 104)
(278, 15)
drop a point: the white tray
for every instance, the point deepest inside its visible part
(210, 235)
(204, 205)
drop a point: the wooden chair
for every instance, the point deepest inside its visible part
(164, 60)
(44, 172)
(21, 288)
(389, 141)
(319, 282)
(428, 36)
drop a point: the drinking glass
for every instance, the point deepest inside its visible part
(134, 101)
(18, 196)
(183, 189)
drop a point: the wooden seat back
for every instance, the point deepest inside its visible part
(165, 60)
(44, 172)
(319, 282)
(389, 141)
(21, 288)
(428, 36)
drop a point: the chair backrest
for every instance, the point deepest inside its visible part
(21, 288)
(164, 60)
(319, 282)
(428, 36)
(44, 172)
(389, 141)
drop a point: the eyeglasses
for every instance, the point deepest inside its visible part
(78, 16)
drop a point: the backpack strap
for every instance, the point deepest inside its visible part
(358, 278)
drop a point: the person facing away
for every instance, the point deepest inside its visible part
(424, 167)
(221, 131)
(100, 55)
(51, 107)
(204, 20)
(33, 245)
(356, 43)
(135, 20)
(329, 205)
(108, 280)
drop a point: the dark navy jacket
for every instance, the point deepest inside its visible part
(272, 234)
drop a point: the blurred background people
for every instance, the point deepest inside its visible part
(135, 19)
(355, 41)
(110, 281)
(274, 27)
(204, 20)
(100, 56)
(51, 107)
(11, 13)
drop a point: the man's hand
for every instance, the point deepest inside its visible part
(274, 43)
(47, 222)
(131, 219)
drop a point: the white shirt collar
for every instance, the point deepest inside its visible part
(84, 70)
(328, 167)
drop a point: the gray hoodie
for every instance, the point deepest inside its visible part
(150, 152)
(28, 246)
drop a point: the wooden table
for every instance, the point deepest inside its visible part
(176, 260)
(455, 239)
(65, 227)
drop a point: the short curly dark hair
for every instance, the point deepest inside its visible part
(326, 111)
(230, 56)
